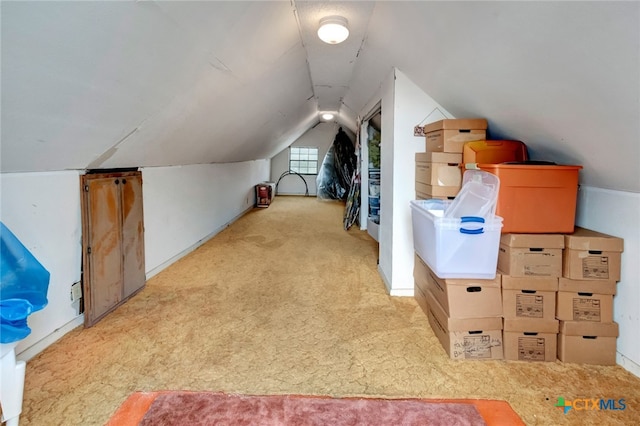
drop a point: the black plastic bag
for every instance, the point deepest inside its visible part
(336, 171)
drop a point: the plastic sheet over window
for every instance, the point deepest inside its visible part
(336, 172)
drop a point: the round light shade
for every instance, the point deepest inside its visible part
(333, 29)
(327, 116)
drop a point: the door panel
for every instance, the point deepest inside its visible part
(132, 234)
(113, 241)
(105, 242)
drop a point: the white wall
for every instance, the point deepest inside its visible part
(404, 105)
(618, 213)
(43, 211)
(183, 206)
(385, 230)
(321, 136)
(411, 107)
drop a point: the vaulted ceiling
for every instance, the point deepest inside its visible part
(154, 83)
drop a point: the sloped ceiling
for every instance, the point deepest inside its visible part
(155, 83)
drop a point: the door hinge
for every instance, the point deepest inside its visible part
(86, 188)
(88, 250)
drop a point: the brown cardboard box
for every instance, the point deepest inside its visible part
(449, 135)
(474, 338)
(585, 300)
(591, 255)
(457, 124)
(587, 342)
(432, 191)
(438, 157)
(420, 273)
(530, 339)
(531, 255)
(420, 296)
(452, 140)
(462, 298)
(423, 196)
(529, 297)
(439, 174)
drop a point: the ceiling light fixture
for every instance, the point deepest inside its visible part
(327, 116)
(333, 29)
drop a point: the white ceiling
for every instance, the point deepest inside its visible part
(155, 83)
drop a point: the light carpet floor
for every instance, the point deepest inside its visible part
(284, 301)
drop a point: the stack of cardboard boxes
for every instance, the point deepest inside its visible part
(557, 296)
(591, 269)
(465, 314)
(552, 297)
(531, 265)
(438, 170)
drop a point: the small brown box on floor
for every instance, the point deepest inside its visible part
(530, 339)
(587, 342)
(470, 338)
(591, 255)
(461, 298)
(585, 300)
(263, 195)
(450, 135)
(529, 297)
(531, 255)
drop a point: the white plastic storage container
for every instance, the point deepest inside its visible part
(477, 197)
(464, 247)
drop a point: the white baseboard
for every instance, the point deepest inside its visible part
(183, 253)
(402, 292)
(296, 194)
(387, 283)
(45, 342)
(628, 364)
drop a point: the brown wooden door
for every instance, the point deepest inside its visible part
(113, 241)
(132, 235)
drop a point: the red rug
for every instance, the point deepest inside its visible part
(212, 408)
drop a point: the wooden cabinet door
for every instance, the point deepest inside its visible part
(113, 241)
(103, 248)
(132, 234)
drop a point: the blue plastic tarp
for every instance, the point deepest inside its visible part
(24, 283)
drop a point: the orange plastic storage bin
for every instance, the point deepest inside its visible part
(536, 198)
(493, 151)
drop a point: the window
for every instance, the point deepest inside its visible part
(303, 160)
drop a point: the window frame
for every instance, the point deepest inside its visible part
(303, 151)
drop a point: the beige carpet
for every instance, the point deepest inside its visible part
(286, 302)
